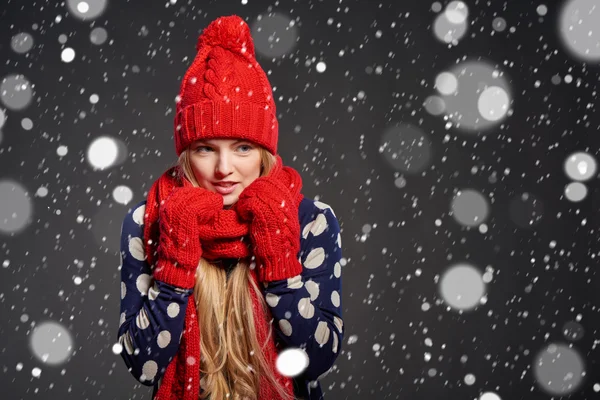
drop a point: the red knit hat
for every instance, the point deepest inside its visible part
(225, 93)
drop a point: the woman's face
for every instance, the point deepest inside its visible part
(217, 161)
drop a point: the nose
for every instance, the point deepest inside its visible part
(224, 166)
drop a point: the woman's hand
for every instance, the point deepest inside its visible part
(274, 228)
(179, 248)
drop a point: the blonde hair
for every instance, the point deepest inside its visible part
(232, 359)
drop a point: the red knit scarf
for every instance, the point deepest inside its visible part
(222, 239)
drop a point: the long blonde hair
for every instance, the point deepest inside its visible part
(228, 342)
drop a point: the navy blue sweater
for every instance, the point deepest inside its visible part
(307, 309)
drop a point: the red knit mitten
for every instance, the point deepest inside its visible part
(179, 249)
(274, 228)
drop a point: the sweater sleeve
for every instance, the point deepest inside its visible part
(152, 312)
(307, 309)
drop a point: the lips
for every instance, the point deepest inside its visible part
(228, 183)
(225, 188)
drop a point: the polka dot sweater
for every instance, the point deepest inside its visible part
(307, 308)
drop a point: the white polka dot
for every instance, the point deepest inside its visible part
(320, 225)
(339, 323)
(272, 299)
(339, 240)
(315, 258)
(127, 343)
(191, 360)
(316, 227)
(313, 289)
(123, 290)
(142, 320)
(136, 248)
(149, 370)
(122, 319)
(138, 214)
(323, 206)
(285, 327)
(173, 310)
(153, 291)
(335, 298)
(334, 348)
(306, 308)
(306, 231)
(295, 282)
(163, 339)
(322, 333)
(143, 283)
(337, 270)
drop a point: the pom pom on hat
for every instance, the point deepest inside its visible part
(231, 33)
(225, 94)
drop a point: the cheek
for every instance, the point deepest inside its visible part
(249, 169)
(200, 171)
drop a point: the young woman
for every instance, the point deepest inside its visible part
(226, 263)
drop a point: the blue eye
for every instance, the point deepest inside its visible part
(200, 148)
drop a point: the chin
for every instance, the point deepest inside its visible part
(229, 200)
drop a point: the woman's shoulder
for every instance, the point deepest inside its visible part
(311, 208)
(319, 228)
(133, 221)
(315, 215)
(137, 210)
